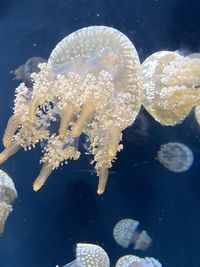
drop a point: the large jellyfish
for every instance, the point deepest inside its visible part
(126, 233)
(176, 157)
(92, 85)
(89, 255)
(8, 194)
(134, 261)
(171, 86)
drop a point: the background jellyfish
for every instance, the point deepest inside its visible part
(24, 71)
(92, 81)
(175, 157)
(8, 194)
(89, 255)
(134, 261)
(126, 233)
(170, 86)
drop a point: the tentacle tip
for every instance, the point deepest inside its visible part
(37, 186)
(100, 191)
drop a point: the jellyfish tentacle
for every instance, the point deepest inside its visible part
(103, 178)
(66, 117)
(85, 116)
(12, 125)
(45, 171)
(114, 140)
(34, 105)
(13, 148)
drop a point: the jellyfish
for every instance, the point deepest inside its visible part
(89, 255)
(171, 84)
(134, 261)
(24, 71)
(8, 194)
(92, 85)
(126, 233)
(175, 157)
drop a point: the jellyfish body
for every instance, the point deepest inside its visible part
(8, 194)
(170, 86)
(92, 81)
(134, 261)
(175, 157)
(89, 255)
(126, 233)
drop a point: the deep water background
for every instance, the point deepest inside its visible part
(45, 226)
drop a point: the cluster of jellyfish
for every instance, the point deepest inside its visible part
(93, 84)
(95, 256)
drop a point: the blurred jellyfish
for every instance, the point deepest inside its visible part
(89, 255)
(134, 261)
(175, 157)
(24, 71)
(171, 86)
(126, 233)
(8, 194)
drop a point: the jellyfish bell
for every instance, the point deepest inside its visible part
(134, 261)
(8, 194)
(92, 80)
(175, 157)
(169, 90)
(89, 255)
(126, 233)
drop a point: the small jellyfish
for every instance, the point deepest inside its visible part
(24, 71)
(171, 86)
(126, 233)
(89, 255)
(134, 261)
(175, 157)
(8, 194)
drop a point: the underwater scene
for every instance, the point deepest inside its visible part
(100, 133)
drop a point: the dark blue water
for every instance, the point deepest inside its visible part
(45, 226)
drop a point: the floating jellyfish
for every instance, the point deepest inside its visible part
(126, 233)
(89, 255)
(92, 82)
(134, 261)
(175, 157)
(8, 194)
(24, 71)
(171, 84)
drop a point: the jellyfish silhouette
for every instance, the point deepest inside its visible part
(92, 81)
(134, 261)
(8, 194)
(89, 255)
(24, 71)
(126, 233)
(175, 157)
(171, 84)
